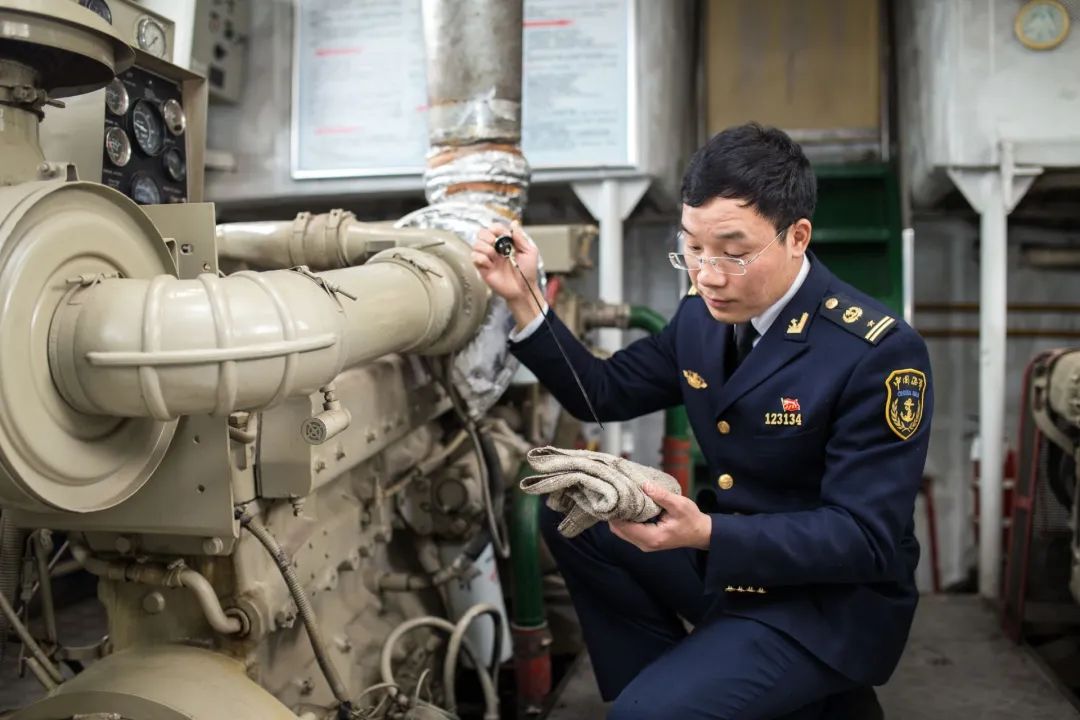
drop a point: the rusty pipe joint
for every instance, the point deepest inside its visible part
(605, 315)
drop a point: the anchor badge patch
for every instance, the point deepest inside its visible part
(904, 401)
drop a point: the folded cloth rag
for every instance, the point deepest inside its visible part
(589, 486)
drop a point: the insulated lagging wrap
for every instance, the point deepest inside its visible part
(592, 486)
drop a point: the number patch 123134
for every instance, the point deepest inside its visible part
(783, 418)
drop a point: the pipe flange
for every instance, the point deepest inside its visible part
(51, 456)
(245, 622)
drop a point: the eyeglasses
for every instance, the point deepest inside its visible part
(721, 263)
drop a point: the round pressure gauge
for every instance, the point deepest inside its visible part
(1042, 24)
(117, 146)
(144, 190)
(147, 128)
(175, 119)
(174, 164)
(151, 36)
(116, 97)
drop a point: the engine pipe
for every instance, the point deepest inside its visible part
(532, 639)
(166, 347)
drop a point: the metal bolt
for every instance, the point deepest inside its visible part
(124, 544)
(213, 546)
(306, 686)
(343, 643)
(285, 618)
(153, 602)
(297, 505)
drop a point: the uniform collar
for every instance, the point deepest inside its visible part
(764, 321)
(782, 344)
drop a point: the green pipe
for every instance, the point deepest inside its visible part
(525, 559)
(676, 423)
(528, 609)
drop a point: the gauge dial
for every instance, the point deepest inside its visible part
(117, 146)
(151, 36)
(100, 7)
(1042, 24)
(116, 97)
(175, 119)
(174, 164)
(147, 128)
(144, 190)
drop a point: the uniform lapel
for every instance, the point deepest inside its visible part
(784, 341)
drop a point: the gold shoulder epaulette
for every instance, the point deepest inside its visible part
(869, 324)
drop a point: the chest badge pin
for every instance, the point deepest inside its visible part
(694, 380)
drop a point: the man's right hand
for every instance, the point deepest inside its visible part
(501, 276)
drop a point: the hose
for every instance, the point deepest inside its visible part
(498, 530)
(454, 649)
(495, 497)
(42, 546)
(173, 576)
(303, 606)
(28, 640)
(491, 698)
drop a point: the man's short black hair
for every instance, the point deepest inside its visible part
(760, 166)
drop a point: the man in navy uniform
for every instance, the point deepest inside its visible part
(811, 403)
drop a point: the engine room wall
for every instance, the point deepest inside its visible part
(967, 82)
(947, 271)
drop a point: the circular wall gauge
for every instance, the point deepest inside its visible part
(147, 128)
(116, 97)
(117, 146)
(144, 190)
(100, 7)
(174, 164)
(1042, 24)
(151, 36)
(174, 116)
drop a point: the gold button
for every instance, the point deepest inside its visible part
(831, 303)
(725, 481)
(723, 427)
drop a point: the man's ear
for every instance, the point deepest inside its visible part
(799, 236)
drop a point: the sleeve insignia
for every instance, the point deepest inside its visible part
(871, 325)
(904, 401)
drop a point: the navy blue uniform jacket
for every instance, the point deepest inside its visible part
(815, 446)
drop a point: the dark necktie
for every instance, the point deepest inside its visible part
(744, 336)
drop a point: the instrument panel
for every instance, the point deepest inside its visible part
(145, 153)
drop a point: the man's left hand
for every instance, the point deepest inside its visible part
(681, 524)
